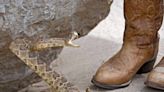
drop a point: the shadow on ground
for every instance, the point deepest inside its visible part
(79, 64)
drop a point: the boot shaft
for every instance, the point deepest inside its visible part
(143, 19)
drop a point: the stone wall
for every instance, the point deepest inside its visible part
(40, 19)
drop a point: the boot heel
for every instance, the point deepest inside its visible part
(147, 67)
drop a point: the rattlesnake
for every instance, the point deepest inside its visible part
(27, 51)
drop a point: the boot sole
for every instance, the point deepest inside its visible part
(154, 85)
(110, 87)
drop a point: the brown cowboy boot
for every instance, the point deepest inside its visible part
(139, 50)
(155, 78)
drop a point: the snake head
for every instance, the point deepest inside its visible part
(73, 37)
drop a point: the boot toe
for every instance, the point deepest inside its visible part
(155, 80)
(110, 79)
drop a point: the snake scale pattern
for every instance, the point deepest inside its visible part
(27, 51)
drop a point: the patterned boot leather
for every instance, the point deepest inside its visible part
(143, 19)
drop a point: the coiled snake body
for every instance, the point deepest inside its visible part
(27, 51)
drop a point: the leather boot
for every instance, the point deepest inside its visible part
(143, 19)
(155, 78)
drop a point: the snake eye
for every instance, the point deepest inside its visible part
(79, 34)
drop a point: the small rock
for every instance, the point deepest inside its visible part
(2, 9)
(1, 22)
